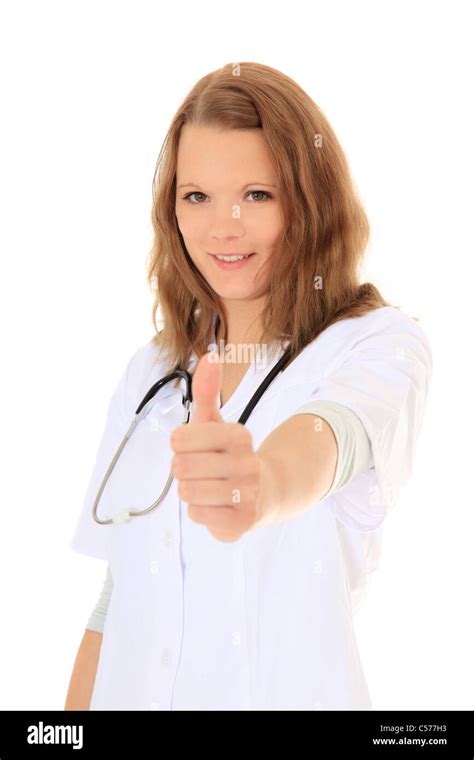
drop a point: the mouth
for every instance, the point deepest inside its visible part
(236, 261)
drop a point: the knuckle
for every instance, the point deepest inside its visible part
(175, 438)
(184, 491)
(182, 464)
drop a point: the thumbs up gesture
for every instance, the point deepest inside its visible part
(219, 473)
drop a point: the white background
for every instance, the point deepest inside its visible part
(87, 93)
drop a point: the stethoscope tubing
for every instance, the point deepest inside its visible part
(144, 408)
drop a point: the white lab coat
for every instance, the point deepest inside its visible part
(265, 622)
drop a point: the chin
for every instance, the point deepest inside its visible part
(234, 293)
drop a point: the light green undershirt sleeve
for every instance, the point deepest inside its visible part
(97, 617)
(353, 444)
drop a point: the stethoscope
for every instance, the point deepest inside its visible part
(144, 408)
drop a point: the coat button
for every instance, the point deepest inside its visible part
(166, 657)
(153, 566)
(318, 567)
(154, 706)
(236, 638)
(168, 539)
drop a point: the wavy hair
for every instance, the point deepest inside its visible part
(325, 230)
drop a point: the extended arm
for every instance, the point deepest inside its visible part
(299, 461)
(309, 456)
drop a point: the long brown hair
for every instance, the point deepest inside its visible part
(325, 229)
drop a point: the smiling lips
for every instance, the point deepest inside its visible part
(232, 254)
(231, 261)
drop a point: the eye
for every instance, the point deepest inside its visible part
(188, 196)
(259, 192)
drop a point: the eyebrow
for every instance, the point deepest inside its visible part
(193, 184)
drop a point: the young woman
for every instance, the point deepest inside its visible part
(238, 590)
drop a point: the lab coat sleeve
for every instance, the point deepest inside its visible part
(89, 537)
(384, 378)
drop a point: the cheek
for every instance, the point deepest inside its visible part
(192, 225)
(266, 227)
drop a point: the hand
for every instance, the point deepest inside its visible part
(219, 473)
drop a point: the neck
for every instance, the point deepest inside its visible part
(244, 323)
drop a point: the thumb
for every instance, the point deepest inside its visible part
(206, 386)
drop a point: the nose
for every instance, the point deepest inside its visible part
(226, 222)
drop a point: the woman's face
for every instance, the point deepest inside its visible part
(227, 202)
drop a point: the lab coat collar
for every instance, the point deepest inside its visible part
(255, 374)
